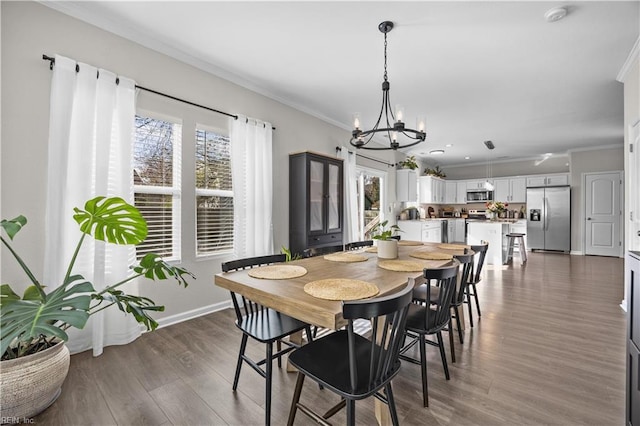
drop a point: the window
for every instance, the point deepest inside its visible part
(214, 194)
(156, 183)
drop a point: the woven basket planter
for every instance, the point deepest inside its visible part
(30, 384)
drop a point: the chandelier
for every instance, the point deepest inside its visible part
(393, 126)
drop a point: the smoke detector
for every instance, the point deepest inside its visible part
(489, 144)
(555, 14)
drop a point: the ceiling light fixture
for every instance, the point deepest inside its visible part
(437, 152)
(395, 125)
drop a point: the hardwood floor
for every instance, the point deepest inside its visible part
(549, 349)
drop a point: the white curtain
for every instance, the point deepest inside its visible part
(352, 226)
(251, 171)
(90, 138)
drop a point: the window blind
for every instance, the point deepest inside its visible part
(214, 193)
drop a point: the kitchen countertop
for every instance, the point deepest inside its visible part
(495, 221)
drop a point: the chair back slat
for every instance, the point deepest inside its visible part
(388, 312)
(438, 317)
(481, 252)
(466, 264)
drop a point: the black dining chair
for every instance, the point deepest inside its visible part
(419, 294)
(427, 319)
(264, 325)
(357, 244)
(475, 278)
(321, 251)
(351, 365)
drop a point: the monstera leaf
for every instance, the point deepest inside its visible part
(26, 319)
(131, 304)
(11, 227)
(153, 267)
(112, 220)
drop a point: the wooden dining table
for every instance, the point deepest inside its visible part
(288, 296)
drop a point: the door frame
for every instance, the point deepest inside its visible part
(583, 222)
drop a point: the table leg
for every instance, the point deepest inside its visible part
(381, 410)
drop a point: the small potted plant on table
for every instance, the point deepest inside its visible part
(387, 245)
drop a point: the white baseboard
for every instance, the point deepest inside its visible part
(194, 313)
(576, 253)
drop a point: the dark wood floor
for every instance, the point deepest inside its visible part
(549, 349)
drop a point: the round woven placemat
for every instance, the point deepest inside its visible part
(453, 246)
(277, 272)
(401, 265)
(341, 289)
(431, 255)
(346, 257)
(372, 249)
(409, 243)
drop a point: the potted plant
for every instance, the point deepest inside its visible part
(387, 245)
(33, 327)
(495, 208)
(409, 163)
(436, 171)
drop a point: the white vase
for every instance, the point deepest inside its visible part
(387, 249)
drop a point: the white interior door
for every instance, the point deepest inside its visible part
(634, 194)
(603, 211)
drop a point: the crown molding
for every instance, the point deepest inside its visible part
(633, 55)
(596, 148)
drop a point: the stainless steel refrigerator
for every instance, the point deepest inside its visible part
(549, 218)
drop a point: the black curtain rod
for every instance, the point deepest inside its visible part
(368, 158)
(52, 62)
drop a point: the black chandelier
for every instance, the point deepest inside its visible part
(360, 138)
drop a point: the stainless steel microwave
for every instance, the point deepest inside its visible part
(478, 196)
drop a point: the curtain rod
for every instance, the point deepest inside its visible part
(368, 158)
(52, 62)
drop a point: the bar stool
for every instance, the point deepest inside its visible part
(521, 248)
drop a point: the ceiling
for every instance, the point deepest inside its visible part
(476, 70)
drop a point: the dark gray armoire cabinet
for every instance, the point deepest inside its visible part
(315, 201)
(633, 341)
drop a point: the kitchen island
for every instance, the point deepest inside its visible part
(494, 232)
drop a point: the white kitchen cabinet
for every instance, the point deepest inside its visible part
(432, 190)
(461, 197)
(432, 231)
(411, 230)
(421, 230)
(510, 190)
(407, 185)
(551, 180)
(451, 192)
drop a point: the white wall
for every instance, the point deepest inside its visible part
(30, 30)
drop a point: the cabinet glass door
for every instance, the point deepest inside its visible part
(316, 195)
(334, 197)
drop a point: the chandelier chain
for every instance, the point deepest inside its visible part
(385, 57)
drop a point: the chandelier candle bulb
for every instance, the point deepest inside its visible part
(356, 120)
(399, 113)
(421, 124)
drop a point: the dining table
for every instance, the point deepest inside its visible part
(289, 297)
